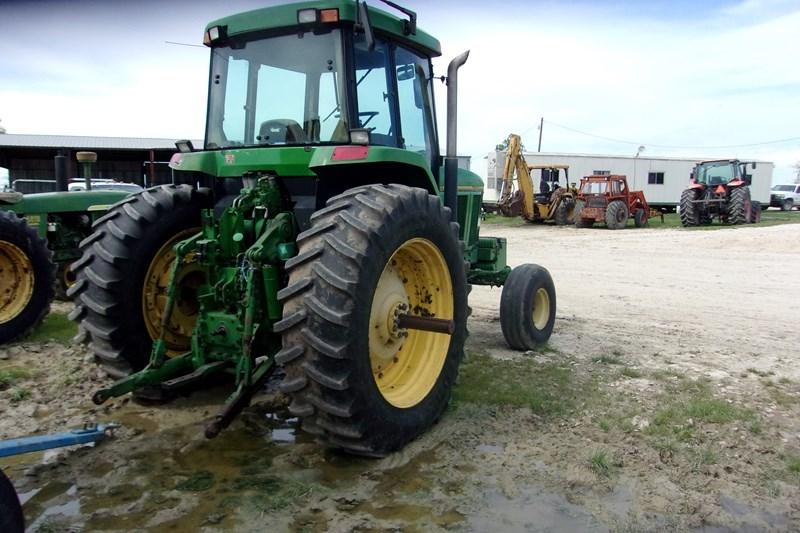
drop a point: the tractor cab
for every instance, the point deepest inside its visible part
(549, 179)
(723, 172)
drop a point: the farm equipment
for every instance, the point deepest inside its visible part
(11, 518)
(321, 233)
(40, 236)
(719, 189)
(553, 202)
(607, 198)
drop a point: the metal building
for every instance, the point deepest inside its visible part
(661, 178)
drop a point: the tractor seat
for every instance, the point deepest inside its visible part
(281, 131)
(10, 197)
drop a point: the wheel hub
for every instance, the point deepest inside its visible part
(16, 281)
(389, 302)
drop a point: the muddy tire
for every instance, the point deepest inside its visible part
(11, 518)
(617, 215)
(27, 278)
(739, 206)
(787, 205)
(352, 381)
(755, 216)
(579, 221)
(689, 211)
(640, 218)
(109, 290)
(528, 307)
(562, 214)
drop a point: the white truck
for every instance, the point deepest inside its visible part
(785, 196)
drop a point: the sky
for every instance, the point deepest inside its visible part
(678, 77)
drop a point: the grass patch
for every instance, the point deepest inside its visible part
(778, 395)
(600, 463)
(608, 360)
(689, 403)
(197, 482)
(704, 457)
(499, 220)
(632, 373)
(768, 218)
(793, 464)
(20, 395)
(55, 327)
(271, 493)
(605, 425)
(546, 388)
(11, 375)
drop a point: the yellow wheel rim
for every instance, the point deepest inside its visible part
(406, 363)
(541, 308)
(16, 281)
(67, 277)
(154, 296)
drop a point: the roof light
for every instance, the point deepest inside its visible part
(213, 34)
(184, 146)
(307, 16)
(329, 15)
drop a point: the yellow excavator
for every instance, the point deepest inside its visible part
(518, 198)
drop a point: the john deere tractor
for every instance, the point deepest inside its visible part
(40, 236)
(318, 230)
(719, 189)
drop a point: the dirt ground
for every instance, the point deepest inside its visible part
(668, 398)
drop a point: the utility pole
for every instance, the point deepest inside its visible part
(541, 125)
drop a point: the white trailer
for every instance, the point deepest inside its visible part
(661, 178)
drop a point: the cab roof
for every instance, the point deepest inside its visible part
(285, 17)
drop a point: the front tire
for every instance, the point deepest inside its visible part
(640, 218)
(617, 215)
(122, 275)
(354, 379)
(528, 307)
(27, 278)
(562, 214)
(787, 205)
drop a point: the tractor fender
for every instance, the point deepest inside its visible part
(695, 185)
(353, 165)
(736, 183)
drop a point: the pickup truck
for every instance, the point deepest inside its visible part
(785, 196)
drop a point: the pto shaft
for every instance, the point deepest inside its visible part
(434, 325)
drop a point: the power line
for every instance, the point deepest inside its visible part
(654, 145)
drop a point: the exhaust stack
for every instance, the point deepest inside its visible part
(450, 160)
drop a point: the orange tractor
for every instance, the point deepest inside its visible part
(608, 199)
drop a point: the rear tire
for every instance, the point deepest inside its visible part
(739, 206)
(756, 208)
(528, 307)
(689, 211)
(11, 517)
(27, 278)
(109, 290)
(617, 215)
(353, 266)
(640, 218)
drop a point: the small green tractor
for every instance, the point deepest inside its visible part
(319, 231)
(40, 236)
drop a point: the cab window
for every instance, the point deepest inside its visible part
(414, 101)
(373, 92)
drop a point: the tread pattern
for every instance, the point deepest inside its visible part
(739, 206)
(690, 214)
(616, 215)
(104, 284)
(320, 301)
(16, 231)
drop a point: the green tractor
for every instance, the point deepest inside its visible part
(319, 231)
(40, 236)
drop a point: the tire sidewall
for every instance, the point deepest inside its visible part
(11, 517)
(381, 247)
(16, 231)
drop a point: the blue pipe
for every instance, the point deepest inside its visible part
(45, 442)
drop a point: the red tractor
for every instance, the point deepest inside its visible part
(719, 189)
(609, 199)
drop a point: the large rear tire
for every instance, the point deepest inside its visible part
(689, 211)
(355, 379)
(122, 275)
(739, 206)
(528, 307)
(27, 278)
(617, 215)
(11, 517)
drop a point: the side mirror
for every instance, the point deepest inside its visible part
(405, 72)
